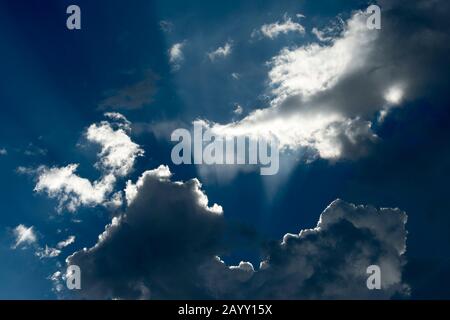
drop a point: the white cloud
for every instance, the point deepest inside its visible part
(47, 252)
(118, 153)
(394, 95)
(116, 159)
(273, 30)
(176, 54)
(236, 76)
(221, 52)
(313, 68)
(3, 152)
(185, 264)
(24, 235)
(65, 243)
(238, 109)
(320, 35)
(71, 190)
(299, 116)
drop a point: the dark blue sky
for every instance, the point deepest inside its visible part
(54, 81)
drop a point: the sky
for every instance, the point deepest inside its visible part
(360, 116)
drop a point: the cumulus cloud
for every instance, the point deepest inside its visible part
(3, 152)
(273, 30)
(167, 229)
(70, 189)
(221, 52)
(118, 152)
(166, 245)
(50, 252)
(116, 159)
(327, 262)
(176, 54)
(24, 235)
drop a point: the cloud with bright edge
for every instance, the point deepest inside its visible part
(116, 159)
(325, 95)
(185, 262)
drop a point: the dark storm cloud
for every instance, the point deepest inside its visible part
(328, 262)
(154, 248)
(165, 247)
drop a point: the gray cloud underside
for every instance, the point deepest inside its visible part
(165, 246)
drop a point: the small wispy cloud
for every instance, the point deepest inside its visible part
(238, 109)
(3, 152)
(166, 25)
(133, 96)
(24, 235)
(221, 52)
(273, 30)
(47, 252)
(176, 54)
(65, 243)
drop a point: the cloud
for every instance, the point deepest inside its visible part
(330, 32)
(65, 243)
(313, 68)
(3, 152)
(167, 230)
(71, 190)
(176, 54)
(221, 52)
(47, 252)
(238, 109)
(24, 235)
(33, 150)
(273, 30)
(132, 97)
(298, 118)
(118, 152)
(167, 242)
(116, 159)
(50, 252)
(166, 26)
(327, 262)
(27, 236)
(325, 96)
